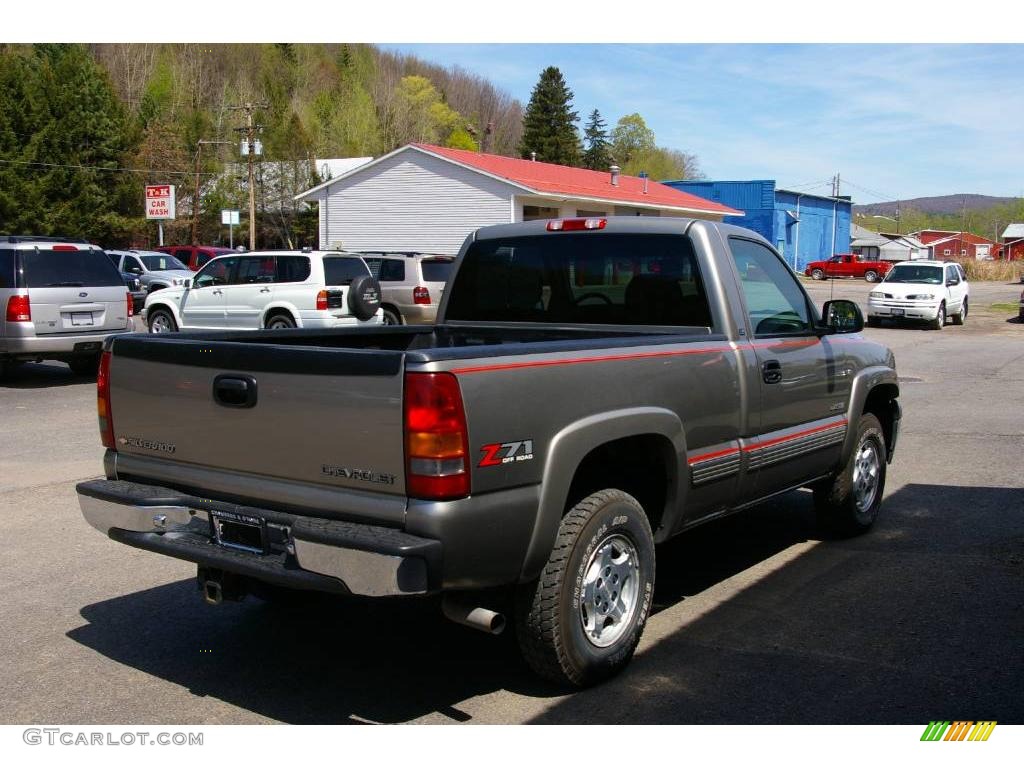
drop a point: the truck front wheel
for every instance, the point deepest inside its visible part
(580, 622)
(818, 274)
(848, 503)
(871, 276)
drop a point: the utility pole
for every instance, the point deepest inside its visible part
(250, 129)
(195, 198)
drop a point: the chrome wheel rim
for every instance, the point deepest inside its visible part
(611, 584)
(160, 324)
(942, 316)
(390, 319)
(867, 469)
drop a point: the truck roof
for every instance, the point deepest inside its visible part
(650, 225)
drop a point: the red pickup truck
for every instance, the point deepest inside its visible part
(848, 265)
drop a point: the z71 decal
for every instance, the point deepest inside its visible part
(497, 454)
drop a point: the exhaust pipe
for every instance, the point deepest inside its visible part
(477, 617)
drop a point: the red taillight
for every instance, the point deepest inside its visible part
(436, 437)
(103, 402)
(420, 295)
(19, 310)
(575, 225)
(321, 300)
(131, 305)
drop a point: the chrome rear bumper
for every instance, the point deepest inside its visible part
(303, 552)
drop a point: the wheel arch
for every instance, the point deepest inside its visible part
(875, 390)
(166, 305)
(578, 460)
(279, 308)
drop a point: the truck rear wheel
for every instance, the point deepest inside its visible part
(581, 621)
(848, 503)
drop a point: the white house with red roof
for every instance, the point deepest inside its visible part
(427, 198)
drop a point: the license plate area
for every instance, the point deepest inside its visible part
(79, 319)
(898, 312)
(243, 532)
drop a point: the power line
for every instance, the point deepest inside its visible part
(102, 168)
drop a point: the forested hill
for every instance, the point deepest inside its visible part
(83, 128)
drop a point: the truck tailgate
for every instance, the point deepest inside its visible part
(327, 417)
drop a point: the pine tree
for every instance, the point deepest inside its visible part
(597, 156)
(63, 135)
(549, 125)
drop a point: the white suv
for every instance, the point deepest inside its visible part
(921, 290)
(270, 289)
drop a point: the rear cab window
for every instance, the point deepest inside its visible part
(581, 278)
(48, 268)
(342, 270)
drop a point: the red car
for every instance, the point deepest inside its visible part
(195, 256)
(848, 265)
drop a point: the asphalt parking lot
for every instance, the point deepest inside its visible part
(758, 619)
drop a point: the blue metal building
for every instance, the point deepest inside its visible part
(802, 227)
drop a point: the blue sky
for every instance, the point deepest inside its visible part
(899, 121)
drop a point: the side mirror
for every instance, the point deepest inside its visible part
(950, 283)
(186, 283)
(841, 316)
(136, 270)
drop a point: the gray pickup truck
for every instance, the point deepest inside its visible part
(592, 388)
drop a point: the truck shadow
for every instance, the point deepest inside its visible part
(42, 376)
(337, 660)
(919, 620)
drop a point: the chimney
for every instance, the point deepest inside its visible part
(643, 175)
(533, 156)
(615, 175)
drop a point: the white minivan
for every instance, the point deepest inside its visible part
(270, 289)
(932, 291)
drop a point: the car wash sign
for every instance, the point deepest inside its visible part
(160, 201)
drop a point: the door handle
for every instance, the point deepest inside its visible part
(218, 292)
(772, 371)
(233, 391)
(264, 290)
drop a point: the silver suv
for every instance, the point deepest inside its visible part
(411, 283)
(61, 299)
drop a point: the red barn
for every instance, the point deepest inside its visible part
(957, 246)
(1013, 242)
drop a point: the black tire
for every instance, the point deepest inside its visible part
(961, 316)
(280, 321)
(940, 318)
(165, 323)
(843, 504)
(871, 276)
(873, 322)
(364, 297)
(818, 274)
(550, 612)
(86, 365)
(392, 317)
